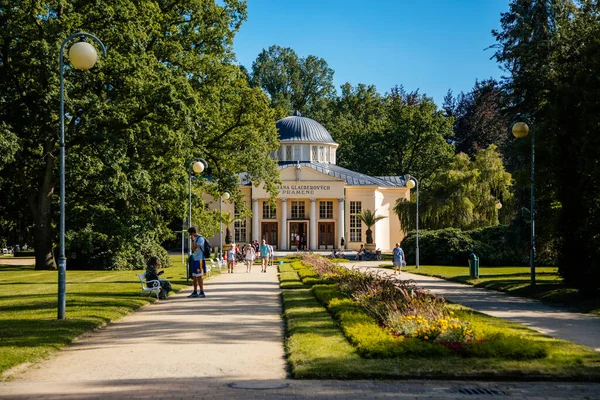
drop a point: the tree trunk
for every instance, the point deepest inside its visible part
(40, 200)
(44, 259)
(369, 233)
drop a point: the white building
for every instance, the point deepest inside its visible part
(318, 200)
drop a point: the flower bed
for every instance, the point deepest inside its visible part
(410, 320)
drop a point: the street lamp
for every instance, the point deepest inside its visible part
(82, 56)
(197, 165)
(412, 182)
(521, 130)
(226, 197)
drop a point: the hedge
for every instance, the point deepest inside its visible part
(495, 246)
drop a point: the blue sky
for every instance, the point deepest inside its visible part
(430, 45)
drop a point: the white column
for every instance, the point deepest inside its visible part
(255, 233)
(284, 233)
(341, 222)
(313, 224)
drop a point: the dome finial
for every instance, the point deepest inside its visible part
(297, 113)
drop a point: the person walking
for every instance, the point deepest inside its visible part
(198, 263)
(264, 255)
(399, 258)
(249, 256)
(231, 258)
(271, 255)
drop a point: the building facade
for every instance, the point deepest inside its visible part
(318, 200)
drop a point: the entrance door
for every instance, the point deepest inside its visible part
(326, 235)
(269, 233)
(298, 237)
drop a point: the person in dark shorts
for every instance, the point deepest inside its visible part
(198, 263)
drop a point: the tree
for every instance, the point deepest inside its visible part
(478, 118)
(369, 218)
(167, 91)
(462, 196)
(228, 219)
(293, 83)
(394, 134)
(549, 49)
(352, 119)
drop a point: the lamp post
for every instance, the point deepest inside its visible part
(521, 130)
(197, 165)
(226, 197)
(82, 56)
(412, 182)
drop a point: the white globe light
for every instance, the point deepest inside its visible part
(498, 205)
(410, 184)
(520, 130)
(83, 55)
(198, 167)
(226, 196)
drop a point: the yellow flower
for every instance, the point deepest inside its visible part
(451, 312)
(426, 337)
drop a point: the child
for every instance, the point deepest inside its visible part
(230, 258)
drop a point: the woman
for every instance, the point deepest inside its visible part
(399, 260)
(152, 275)
(249, 256)
(361, 253)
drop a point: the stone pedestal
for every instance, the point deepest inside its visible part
(370, 246)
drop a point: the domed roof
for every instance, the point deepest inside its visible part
(301, 129)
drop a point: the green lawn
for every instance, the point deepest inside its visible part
(516, 281)
(28, 307)
(317, 349)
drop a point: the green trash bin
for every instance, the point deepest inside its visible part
(473, 266)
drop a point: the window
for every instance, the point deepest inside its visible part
(305, 153)
(288, 153)
(297, 153)
(297, 209)
(269, 212)
(315, 154)
(326, 209)
(326, 154)
(355, 222)
(322, 154)
(239, 227)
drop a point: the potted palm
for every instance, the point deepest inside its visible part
(228, 219)
(369, 219)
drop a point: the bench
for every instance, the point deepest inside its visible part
(152, 287)
(215, 263)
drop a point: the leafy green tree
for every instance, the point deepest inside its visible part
(393, 134)
(415, 140)
(166, 92)
(462, 196)
(292, 82)
(549, 49)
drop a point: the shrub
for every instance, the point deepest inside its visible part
(26, 253)
(442, 247)
(509, 347)
(494, 245)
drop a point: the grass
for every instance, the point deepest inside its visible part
(28, 303)
(317, 349)
(549, 286)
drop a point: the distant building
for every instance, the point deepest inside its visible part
(317, 199)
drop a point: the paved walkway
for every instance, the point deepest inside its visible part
(226, 346)
(552, 321)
